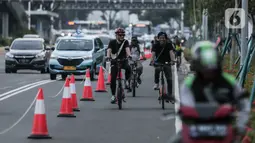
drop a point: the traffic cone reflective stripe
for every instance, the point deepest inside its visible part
(66, 109)
(73, 94)
(100, 82)
(39, 129)
(87, 89)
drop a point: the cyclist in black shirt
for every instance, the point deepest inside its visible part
(162, 52)
(119, 49)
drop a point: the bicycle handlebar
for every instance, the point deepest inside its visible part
(164, 64)
(118, 60)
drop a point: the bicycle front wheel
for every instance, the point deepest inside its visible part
(119, 97)
(162, 94)
(134, 85)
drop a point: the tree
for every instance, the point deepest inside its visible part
(110, 16)
(216, 10)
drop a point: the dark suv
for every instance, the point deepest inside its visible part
(27, 53)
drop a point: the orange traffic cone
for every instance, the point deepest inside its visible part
(87, 89)
(66, 109)
(100, 82)
(73, 94)
(39, 129)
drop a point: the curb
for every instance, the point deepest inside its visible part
(2, 51)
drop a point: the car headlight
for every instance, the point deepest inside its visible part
(53, 56)
(40, 55)
(9, 55)
(87, 57)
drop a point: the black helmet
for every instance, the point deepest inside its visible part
(162, 34)
(134, 38)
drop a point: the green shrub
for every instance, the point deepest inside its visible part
(5, 41)
(22, 32)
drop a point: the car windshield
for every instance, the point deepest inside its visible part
(27, 45)
(75, 45)
(105, 40)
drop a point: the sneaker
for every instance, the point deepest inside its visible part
(128, 87)
(170, 98)
(156, 87)
(139, 80)
(113, 100)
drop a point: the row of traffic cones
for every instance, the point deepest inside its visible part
(68, 105)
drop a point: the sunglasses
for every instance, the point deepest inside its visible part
(121, 35)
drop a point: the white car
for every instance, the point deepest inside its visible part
(75, 54)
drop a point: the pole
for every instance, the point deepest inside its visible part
(244, 33)
(206, 24)
(203, 24)
(29, 15)
(233, 46)
(182, 19)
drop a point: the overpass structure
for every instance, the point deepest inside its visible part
(121, 4)
(113, 5)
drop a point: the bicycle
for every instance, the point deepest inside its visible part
(134, 83)
(162, 90)
(120, 89)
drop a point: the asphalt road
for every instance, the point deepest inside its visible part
(98, 121)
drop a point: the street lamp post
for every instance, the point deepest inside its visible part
(244, 33)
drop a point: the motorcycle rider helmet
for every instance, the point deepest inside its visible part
(205, 59)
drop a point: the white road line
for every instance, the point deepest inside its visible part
(22, 87)
(25, 89)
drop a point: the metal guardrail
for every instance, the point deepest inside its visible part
(244, 69)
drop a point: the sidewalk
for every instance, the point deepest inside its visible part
(2, 50)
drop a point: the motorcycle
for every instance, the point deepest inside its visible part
(207, 123)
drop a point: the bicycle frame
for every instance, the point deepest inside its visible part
(162, 87)
(134, 76)
(118, 74)
(134, 68)
(120, 90)
(162, 76)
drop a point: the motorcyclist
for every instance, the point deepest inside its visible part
(135, 54)
(162, 52)
(208, 81)
(119, 49)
